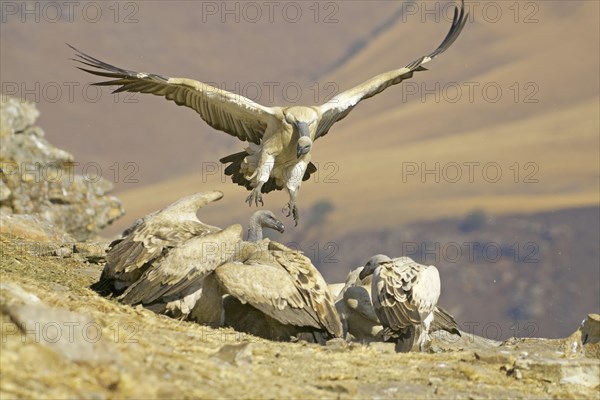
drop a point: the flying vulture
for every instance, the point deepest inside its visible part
(279, 138)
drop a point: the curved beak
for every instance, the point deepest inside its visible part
(364, 273)
(279, 227)
(300, 151)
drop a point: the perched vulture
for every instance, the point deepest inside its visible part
(180, 283)
(279, 138)
(405, 296)
(358, 316)
(149, 237)
(278, 294)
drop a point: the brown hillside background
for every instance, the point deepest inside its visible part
(517, 94)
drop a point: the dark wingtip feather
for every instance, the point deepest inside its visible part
(458, 22)
(108, 70)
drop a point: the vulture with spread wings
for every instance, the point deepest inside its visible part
(280, 138)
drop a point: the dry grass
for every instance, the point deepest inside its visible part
(165, 358)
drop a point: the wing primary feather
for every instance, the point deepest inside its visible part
(340, 106)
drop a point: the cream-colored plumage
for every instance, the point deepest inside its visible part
(404, 295)
(280, 138)
(359, 320)
(149, 237)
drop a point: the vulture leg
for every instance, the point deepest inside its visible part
(291, 208)
(294, 180)
(255, 196)
(262, 173)
(424, 338)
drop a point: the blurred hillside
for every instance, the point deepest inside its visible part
(514, 275)
(495, 103)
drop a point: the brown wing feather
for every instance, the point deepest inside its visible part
(396, 309)
(310, 284)
(269, 289)
(233, 169)
(443, 320)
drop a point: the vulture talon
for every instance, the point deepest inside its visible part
(296, 215)
(291, 210)
(256, 197)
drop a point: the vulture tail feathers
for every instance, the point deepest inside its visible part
(233, 170)
(442, 320)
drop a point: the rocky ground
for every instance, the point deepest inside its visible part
(61, 340)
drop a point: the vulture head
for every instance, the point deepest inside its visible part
(263, 219)
(304, 121)
(304, 146)
(372, 265)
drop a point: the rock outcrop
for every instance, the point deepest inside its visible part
(38, 178)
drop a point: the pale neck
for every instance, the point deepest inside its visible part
(255, 233)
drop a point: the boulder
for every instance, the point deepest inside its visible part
(37, 178)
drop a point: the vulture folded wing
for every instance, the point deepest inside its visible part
(443, 320)
(146, 239)
(269, 289)
(183, 269)
(310, 284)
(340, 105)
(222, 110)
(395, 306)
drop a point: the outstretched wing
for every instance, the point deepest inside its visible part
(340, 106)
(223, 110)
